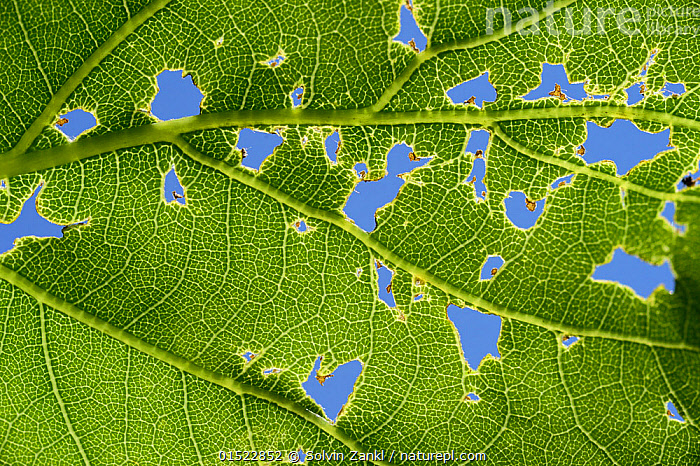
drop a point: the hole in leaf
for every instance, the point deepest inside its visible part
(672, 412)
(635, 273)
(476, 178)
(521, 211)
(172, 189)
(564, 180)
(177, 96)
(688, 181)
(360, 170)
(475, 91)
(296, 96)
(490, 267)
(31, 223)
(635, 93)
(219, 42)
(671, 89)
(410, 34)
(384, 276)
(276, 60)
(369, 196)
(418, 297)
(649, 62)
(471, 397)
(75, 123)
(256, 146)
(568, 340)
(249, 356)
(331, 391)
(272, 370)
(669, 213)
(300, 226)
(478, 333)
(554, 77)
(332, 146)
(624, 144)
(478, 142)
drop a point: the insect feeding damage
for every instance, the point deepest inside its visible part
(322, 378)
(531, 205)
(558, 93)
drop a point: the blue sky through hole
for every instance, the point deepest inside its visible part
(478, 333)
(673, 412)
(552, 75)
(369, 196)
(670, 89)
(177, 96)
(480, 88)
(669, 213)
(477, 144)
(257, 145)
(639, 275)
(517, 210)
(478, 141)
(172, 189)
(410, 30)
(492, 262)
(29, 223)
(634, 93)
(564, 180)
(300, 226)
(384, 276)
(567, 341)
(276, 60)
(360, 170)
(476, 177)
(331, 145)
(334, 392)
(296, 96)
(75, 123)
(624, 144)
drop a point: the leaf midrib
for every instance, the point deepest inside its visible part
(72, 83)
(29, 162)
(17, 157)
(240, 388)
(18, 161)
(129, 26)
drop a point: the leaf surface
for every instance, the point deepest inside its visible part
(124, 339)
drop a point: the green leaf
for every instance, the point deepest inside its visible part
(122, 341)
